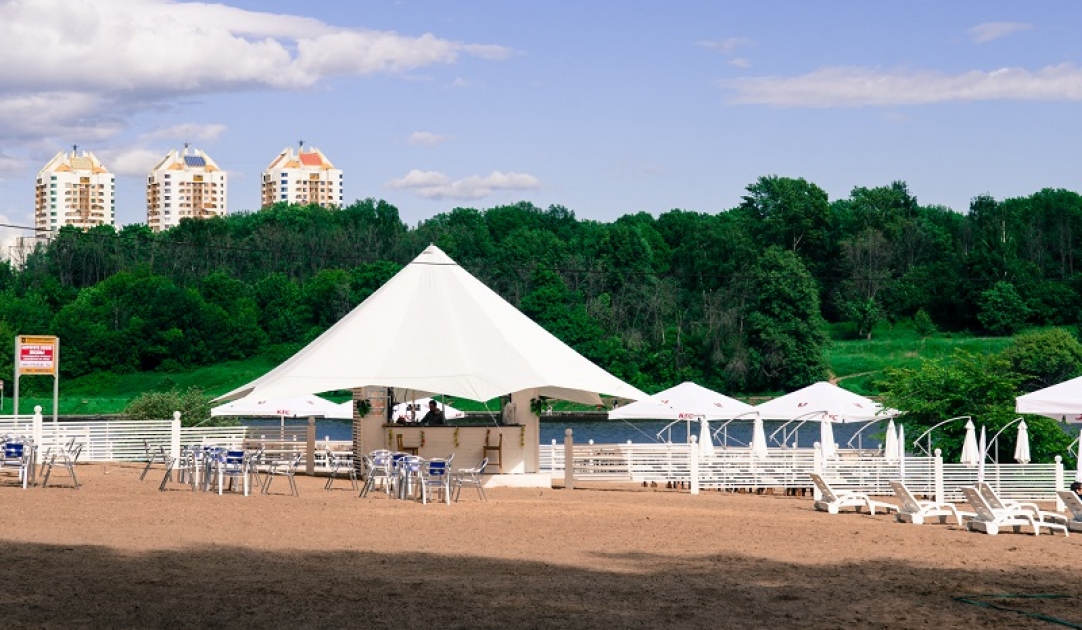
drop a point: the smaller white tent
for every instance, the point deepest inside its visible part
(686, 401)
(970, 456)
(294, 407)
(1062, 401)
(414, 410)
(839, 405)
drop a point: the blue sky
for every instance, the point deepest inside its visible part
(606, 107)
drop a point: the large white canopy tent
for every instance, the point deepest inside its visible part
(822, 402)
(435, 329)
(1062, 401)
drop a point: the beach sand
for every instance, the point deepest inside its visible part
(120, 554)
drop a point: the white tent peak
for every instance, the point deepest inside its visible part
(435, 329)
(831, 401)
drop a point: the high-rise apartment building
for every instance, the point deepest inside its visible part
(74, 189)
(184, 185)
(303, 177)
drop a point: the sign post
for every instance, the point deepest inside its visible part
(37, 355)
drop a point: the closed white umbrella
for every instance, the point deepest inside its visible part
(983, 448)
(758, 439)
(706, 445)
(890, 446)
(1078, 471)
(970, 456)
(826, 436)
(901, 451)
(1021, 447)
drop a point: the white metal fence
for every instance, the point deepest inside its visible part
(125, 440)
(787, 469)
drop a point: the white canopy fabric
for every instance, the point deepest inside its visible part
(706, 444)
(294, 407)
(839, 405)
(970, 456)
(758, 439)
(685, 401)
(901, 451)
(434, 328)
(1021, 446)
(1062, 401)
(890, 444)
(826, 438)
(420, 408)
(983, 448)
(1078, 467)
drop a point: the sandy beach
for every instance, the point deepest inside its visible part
(120, 554)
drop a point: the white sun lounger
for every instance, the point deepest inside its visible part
(1008, 505)
(916, 511)
(990, 521)
(833, 501)
(1074, 504)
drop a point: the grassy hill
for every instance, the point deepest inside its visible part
(857, 363)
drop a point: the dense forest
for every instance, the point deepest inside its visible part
(737, 300)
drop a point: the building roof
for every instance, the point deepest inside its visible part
(309, 158)
(65, 162)
(187, 159)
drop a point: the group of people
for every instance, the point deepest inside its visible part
(434, 416)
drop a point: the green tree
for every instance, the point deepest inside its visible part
(192, 403)
(1045, 357)
(1002, 310)
(785, 330)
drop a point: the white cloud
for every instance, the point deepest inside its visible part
(436, 185)
(858, 86)
(9, 163)
(459, 82)
(728, 45)
(740, 62)
(77, 69)
(185, 132)
(134, 161)
(426, 138)
(989, 31)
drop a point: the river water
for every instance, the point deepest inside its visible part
(643, 431)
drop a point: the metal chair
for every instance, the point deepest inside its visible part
(19, 454)
(471, 477)
(284, 468)
(377, 467)
(337, 462)
(68, 456)
(154, 456)
(408, 477)
(436, 480)
(234, 466)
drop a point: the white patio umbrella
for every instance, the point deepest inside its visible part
(826, 437)
(970, 456)
(282, 408)
(983, 451)
(758, 439)
(1021, 447)
(1078, 471)
(890, 445)
(901, 451)
(706, 444)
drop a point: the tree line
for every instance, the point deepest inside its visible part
(736, 300)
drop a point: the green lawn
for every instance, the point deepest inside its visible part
(858, 363)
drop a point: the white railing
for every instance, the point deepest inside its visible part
(787, 469)
(123, 440)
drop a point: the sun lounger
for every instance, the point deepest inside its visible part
(990, 521)
(1074, 504)
(916, 511)
(1007, 505)
(833, 501)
